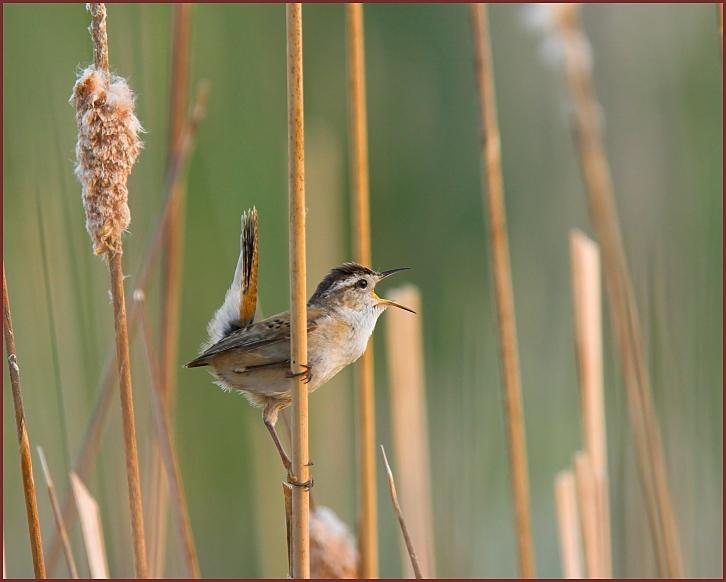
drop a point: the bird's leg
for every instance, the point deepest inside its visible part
(280, 449)
(270, 417)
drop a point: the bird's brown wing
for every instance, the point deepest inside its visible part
(271, 335)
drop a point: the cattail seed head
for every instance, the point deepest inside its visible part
(107, 148)
(333, 554)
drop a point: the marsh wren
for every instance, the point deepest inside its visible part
(254, 357)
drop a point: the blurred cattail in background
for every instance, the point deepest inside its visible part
(333, 552)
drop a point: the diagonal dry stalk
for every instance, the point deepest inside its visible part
(171, 273)
(91, 528)
(107, 149)
(621, 301)
(368, 529)
(491, 161)
(26, 463)
(160, 412)
(399, 515)
(94, 430)
(62, 531)
(298, 297)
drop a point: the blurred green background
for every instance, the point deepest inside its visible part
(659, 77)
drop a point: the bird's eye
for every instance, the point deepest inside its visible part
(362, 284)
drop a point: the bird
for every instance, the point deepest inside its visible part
(253, 357)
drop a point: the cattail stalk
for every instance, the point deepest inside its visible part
(368, 528)
(588, 510)
(399, 514)
(298, 297)
(107, 148)
(568, 524)
(585, 259)
(491, 162)
(171, 274)
(26, 462)
(160, 413)
(94, 430)
(62, 531)
(404, 343)
(618, 284)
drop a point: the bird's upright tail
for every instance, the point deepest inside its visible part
(240, 302)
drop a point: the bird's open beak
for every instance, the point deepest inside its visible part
(394, 304)
(390, 272)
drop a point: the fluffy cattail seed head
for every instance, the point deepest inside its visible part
(107, 148)
(333, 554)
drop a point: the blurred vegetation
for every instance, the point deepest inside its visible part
(659, 78)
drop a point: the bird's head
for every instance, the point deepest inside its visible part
(352, 286)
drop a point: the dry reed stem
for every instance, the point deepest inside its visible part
(491, 162)
(587, 505)
(623, 309)
(26, 462)
(62, 532)
(160, 413)
(287, 497)
(298, 297)
(399, 515)
(106, 151)
(94, 431)
(585, 260)
(171, 272)
(91, 528)
(568, 525)
(409, 418)
(368, 527)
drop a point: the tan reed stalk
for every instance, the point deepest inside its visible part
(585, 261)
(587, 506)
(298, 297)
(107, 149)
(91, 528)
(62, 531)
(568, 524)
(491, 162)
(623, 309)
(409, 420)
(26, 462)
(357, 110)
(171, 274)
(399, 514)
(160, 413)
(92, 437)
(287, 496)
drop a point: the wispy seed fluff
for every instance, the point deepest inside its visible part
(107, 148)
(333, 554)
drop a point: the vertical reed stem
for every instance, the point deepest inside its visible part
(585, 260)
(623, 309)
(491, 162)
(62, 531)
(368, 529)
(298, 297)
(26, 463)
(568, 525)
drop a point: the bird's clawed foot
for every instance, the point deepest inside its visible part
(306, 374)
